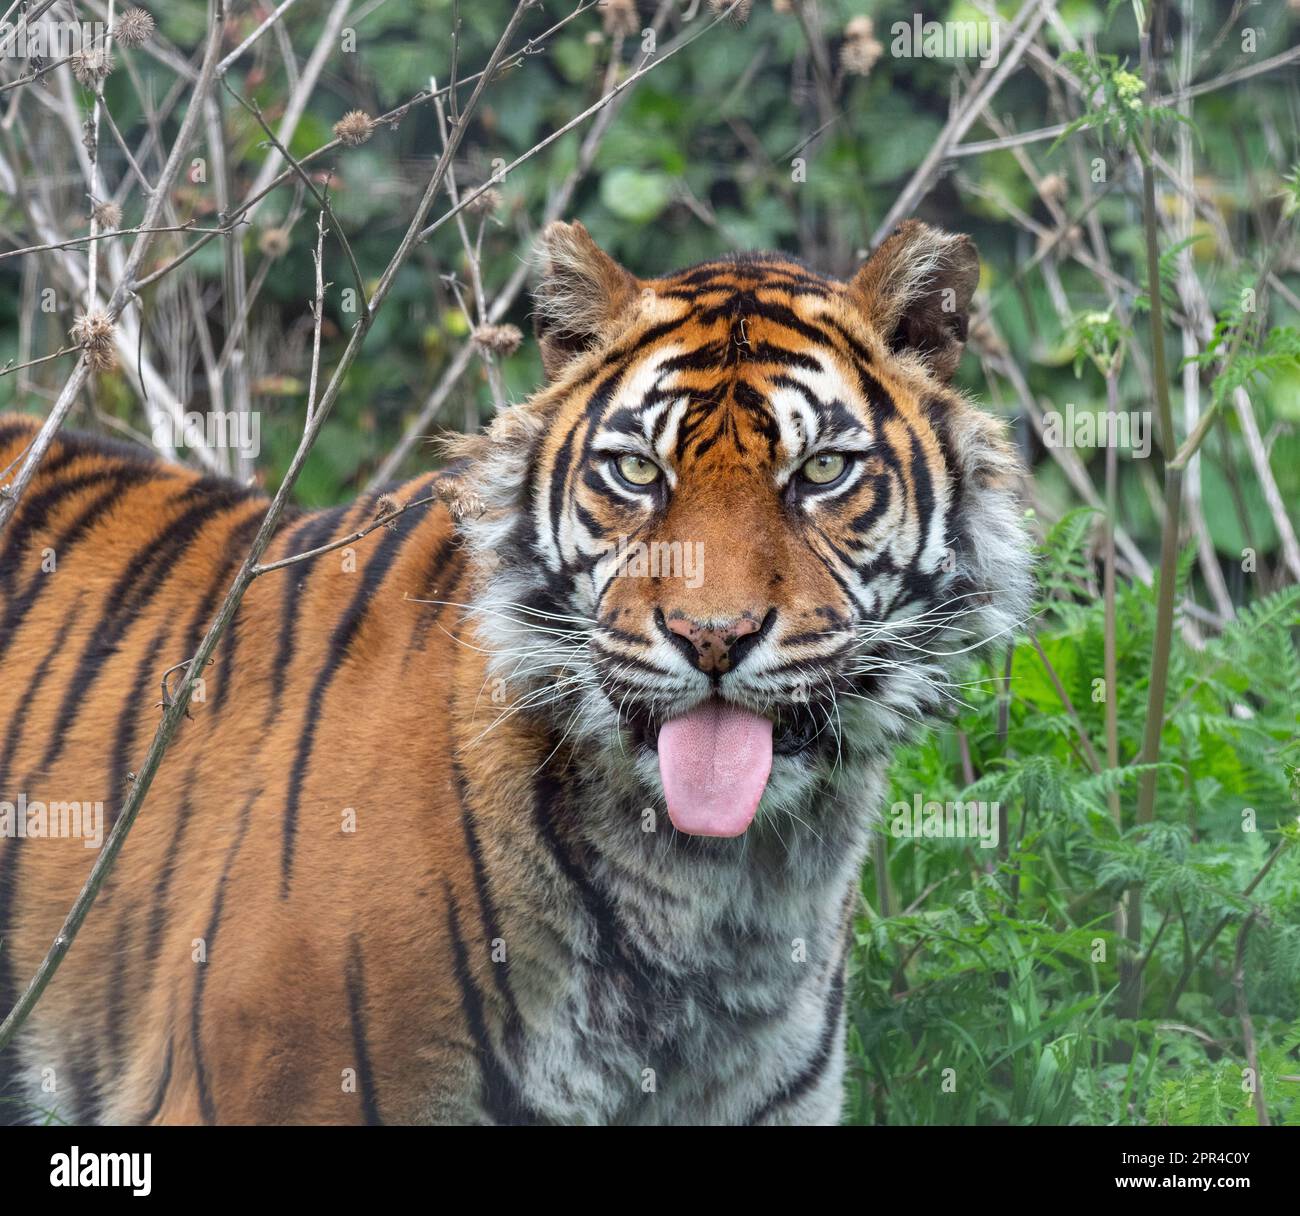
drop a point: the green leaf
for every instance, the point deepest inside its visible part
(634, 195)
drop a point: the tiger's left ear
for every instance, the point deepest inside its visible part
(916, 289)
(581, 294)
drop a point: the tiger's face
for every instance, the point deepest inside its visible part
(738, 542)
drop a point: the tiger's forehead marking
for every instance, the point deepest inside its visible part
(785, 408)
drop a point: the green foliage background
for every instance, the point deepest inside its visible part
(999, 965)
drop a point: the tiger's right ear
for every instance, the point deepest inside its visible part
(580, 294)
(915, 290)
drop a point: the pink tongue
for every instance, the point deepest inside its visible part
(714, 763)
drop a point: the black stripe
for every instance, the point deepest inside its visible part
(923, 496)
(226, 664)
(621, 635)
(14, 426)
(124, 736)
(310, 534)
(35, 511)
(501, 1098)
(10, 857)
(564, 460)
(548, 794)
(206, 1106)
(83, 1081)
(236, 544)
(812, 1072)
(159, 911)
(71, 444)
(146, 572)
(882, 487)
(882, 404)
(20, 604)
(631, 661)
(935, 413)
(164, 1083)
(430, 613)
(237, 538)
(646, 987)
(115, 1011)
(856, 348)
(487, 907)
(356, 985)
(702, 358)
(344, 634)
(815, 664)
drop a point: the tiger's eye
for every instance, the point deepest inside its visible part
(822, 469)
(638, 470)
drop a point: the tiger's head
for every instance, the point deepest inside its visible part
(741, 538)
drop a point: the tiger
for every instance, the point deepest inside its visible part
(548, 801)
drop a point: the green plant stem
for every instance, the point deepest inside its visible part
(1110, 664)
(1089, 754)
(1131, 978)
(1247, 1026)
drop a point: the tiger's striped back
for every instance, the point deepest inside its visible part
(316, 706)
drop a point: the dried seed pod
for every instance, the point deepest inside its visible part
(107, 214)
(498, 339)
(93, 332)
(355, 127)
(91, 66)
(134, 27)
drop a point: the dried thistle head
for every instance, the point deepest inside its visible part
(134, 27)
(459, 503)
(484, 204)
(273, 242)
(619, 18)
(387, 504)
(739, 10)
(91, 65)
(782, 6)
(861, 50)
(354, 128)
(107, 214)
(93, 332)
(1052, 187)
(498, 339)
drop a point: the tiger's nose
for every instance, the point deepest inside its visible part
(713, 648)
